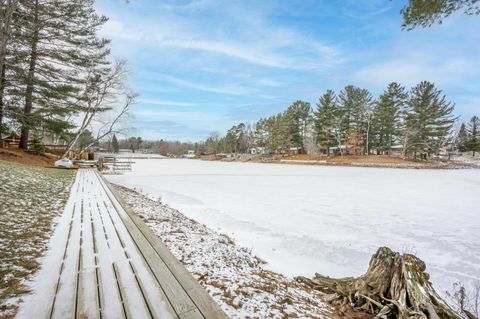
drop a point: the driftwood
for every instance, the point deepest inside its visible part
(394, 286)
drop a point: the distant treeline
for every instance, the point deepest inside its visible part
(137, 144)
(417, 122)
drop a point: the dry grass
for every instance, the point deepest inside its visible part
(30, 198)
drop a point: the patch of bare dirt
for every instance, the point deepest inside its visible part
(352, 159)
(20, 156)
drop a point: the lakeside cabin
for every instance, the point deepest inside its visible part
(190, 154)
(258, 151)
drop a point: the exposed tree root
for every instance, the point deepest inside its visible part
(394, 286)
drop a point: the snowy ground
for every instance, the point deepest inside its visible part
(307, 219)
(234, 277)
(27, 214)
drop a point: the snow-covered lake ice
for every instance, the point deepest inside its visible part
(330, 220)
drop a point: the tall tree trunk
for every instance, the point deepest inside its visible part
(5, 25)
(368, 139)
(26, 125)
(2, 103)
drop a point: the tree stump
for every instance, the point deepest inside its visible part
(394, 286)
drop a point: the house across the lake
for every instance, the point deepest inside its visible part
(190, 154)
(258, 150)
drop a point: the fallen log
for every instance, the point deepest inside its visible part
(394, 286)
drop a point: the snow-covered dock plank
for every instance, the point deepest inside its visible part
(103, 264)
(187, 297)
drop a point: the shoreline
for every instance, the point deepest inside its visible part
(233, 276)
(344, 162)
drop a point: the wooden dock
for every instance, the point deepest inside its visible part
(104, 262)
(115, 164)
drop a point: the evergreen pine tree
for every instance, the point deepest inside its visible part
(85, 139)
(301, 112)
(115, 144)
(474, 135)
(261, 133)
(429, 119)
(324, 120)
(357, 106)
(461, 142)
(388, 117)
(346, 101)
(278, 138)
(289, 134)
(57, 39)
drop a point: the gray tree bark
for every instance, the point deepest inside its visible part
(6, 13)
(394, 286)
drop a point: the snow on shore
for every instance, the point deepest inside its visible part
(28, 214)
(231, 274)
(307, 219)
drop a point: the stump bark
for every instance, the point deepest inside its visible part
(394, 286)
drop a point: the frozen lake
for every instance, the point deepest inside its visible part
(307, 219)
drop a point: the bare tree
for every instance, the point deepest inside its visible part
(104, 91)
(367, 110)
(338, 130)
(111, 126)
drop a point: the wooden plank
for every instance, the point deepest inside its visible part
(193, 314)
(105, 274)
(147, 300)
(80, 299)
(88, 300)
(197, 293)
(98, 287)
(205, 303)
(174, 293)
(143, 283)
(207, 307)
(121, 293)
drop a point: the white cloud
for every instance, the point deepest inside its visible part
(162, 114)
(166, 102)
(260, 43)
(232, 89)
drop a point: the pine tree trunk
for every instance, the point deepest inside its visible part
(368, 139)
(5, 20)
(26, 125)
(2, 102)
(394, 286)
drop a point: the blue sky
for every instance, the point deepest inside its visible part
(202, 66)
